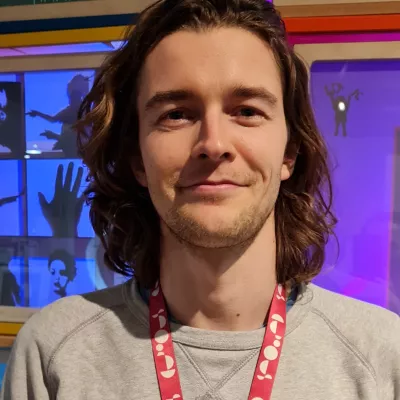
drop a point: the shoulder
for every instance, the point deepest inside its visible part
(62, 327)
(54, 324)
(346, 312)
(372, 333)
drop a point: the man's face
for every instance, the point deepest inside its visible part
(212, 135)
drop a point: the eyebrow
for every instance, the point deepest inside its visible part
(255, 92)
(242, 92)
(169, 96)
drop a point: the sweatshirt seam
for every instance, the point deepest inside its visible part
(69, 335)
(197, 369)
(214, 390)
(239, 366)
(364, 361)
(72, 333)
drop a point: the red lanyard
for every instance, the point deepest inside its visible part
(164, 355)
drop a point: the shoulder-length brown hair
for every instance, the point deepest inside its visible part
(121, 210)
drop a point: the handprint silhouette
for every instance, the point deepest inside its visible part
(64, 211)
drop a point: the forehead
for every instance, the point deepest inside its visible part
(210, 61)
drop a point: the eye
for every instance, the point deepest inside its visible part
(175, 118)
(247, 112)
(175, 115)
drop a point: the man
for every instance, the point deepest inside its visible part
(207, 176)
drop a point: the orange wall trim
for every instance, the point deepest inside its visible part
(356, 23)
(6, 341)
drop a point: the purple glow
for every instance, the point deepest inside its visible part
(363, 176)
(10, 53)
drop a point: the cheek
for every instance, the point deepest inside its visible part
(162, 164)
(265, 159)
(264, 148)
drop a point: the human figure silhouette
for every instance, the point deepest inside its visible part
(63, 269)
(11, 115)
(340, 105)
(64, 211)
(10, 199)
(10, 294)
(77, 89)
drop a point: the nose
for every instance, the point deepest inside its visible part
(214, 141)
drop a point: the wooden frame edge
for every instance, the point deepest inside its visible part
(311, 53)
(72, 10)
(72, 36)
(51, 62)
(12, 319)
(6, 342)
(347, 51)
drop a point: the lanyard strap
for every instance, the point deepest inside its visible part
(164, 355)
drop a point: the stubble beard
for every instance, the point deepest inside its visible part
(240, 231)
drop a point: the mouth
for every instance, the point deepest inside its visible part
(213, 187)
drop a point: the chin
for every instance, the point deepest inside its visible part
(213, 229)
(213, 219)
(212, 237)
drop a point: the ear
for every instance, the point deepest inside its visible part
(287, 169)
(289, 162)
(139, 171)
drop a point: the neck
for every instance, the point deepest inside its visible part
(220, 289)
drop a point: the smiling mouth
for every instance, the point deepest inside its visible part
(212, 188)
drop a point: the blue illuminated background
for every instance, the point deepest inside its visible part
(11, 214)
(41, 176)
(47, 92)
(8, 78)
(36, 173)
(15, 267)
(41, 290)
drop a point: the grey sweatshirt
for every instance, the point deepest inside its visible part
(97, 347)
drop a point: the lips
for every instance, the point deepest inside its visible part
(215, 183)
(212, 188)
(211, 183)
